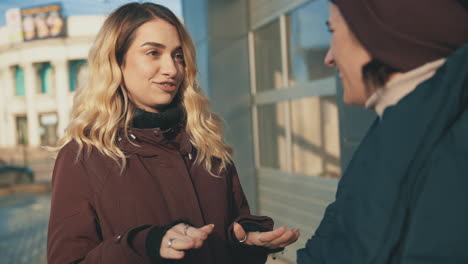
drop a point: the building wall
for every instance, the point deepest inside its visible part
(224, 74)
(281, 110)
(30, 56)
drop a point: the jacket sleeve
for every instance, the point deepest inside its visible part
(313, 251)
(241, 214)
(74, 234)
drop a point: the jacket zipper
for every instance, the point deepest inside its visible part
(188, 165)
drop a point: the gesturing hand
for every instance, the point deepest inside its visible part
(278, 238)
(183, 237)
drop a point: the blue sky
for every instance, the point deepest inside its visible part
(83, 7)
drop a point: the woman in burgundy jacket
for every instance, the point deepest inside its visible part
(144, 175)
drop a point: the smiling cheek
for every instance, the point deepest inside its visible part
(148, 71)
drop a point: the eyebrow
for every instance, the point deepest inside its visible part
(328, 23)
(154, 44)
(158, 45)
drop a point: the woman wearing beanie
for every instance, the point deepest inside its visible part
(404, 196)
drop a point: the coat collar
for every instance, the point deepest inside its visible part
(401, 86)
(153, 142)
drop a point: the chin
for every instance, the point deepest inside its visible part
(353, 101)
(348, 102)
(163, 100)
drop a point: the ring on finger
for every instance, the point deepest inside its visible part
(170, 242)
(186, 228)
(244, 239)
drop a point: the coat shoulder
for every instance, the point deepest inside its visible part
(89, 159)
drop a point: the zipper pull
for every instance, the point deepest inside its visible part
(190, 156)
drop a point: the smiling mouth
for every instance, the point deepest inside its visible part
(167, 87)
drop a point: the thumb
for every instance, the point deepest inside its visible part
(207, 229)
(239, 232)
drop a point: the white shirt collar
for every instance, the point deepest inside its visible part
(400, 86)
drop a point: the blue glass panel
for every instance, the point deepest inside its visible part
(19, 81)
(74, 67)
(308, 43)
(45, 75)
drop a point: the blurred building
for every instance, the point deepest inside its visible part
(40, 65)
(43, 51)
(261, 63)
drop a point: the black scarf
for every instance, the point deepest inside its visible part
(168, 119)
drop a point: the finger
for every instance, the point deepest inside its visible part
(200, 233)
(292, 240)
(170, 253)
(266, 237)
(175, 234)
(239, 232)
(283, 239)
(207, 229)
(177, 244)
(190, 231)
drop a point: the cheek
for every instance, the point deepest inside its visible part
(354, 90)
(181, 74)
(140, 68)
(144, 70)
(181, 70)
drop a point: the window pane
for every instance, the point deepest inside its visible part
(46, 78)
(19, 81)
(308, 43)
(48, 129)
(76, 70)
(268, 57)
(315, 136)
(22, 130)
(272, 136)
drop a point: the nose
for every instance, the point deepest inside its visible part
(329, 59)
(168, 67)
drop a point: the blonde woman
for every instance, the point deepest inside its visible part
(144, 175)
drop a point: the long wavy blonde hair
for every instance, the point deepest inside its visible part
(102, 106)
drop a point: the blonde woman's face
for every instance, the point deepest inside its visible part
(349, 56)
(153, 68)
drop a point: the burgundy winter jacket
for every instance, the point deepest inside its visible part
(100, 215)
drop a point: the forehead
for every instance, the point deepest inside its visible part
(335, 15)
(157, 30)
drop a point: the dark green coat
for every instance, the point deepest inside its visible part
(404, 196)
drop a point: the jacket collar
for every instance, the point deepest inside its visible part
(153, 142)
(401, 86)
(169, 118)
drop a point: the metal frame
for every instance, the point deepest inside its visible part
(267, 19)
(287, 104)
(253, 88)
(320, 87)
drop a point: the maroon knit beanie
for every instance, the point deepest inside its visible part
(405, 34)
